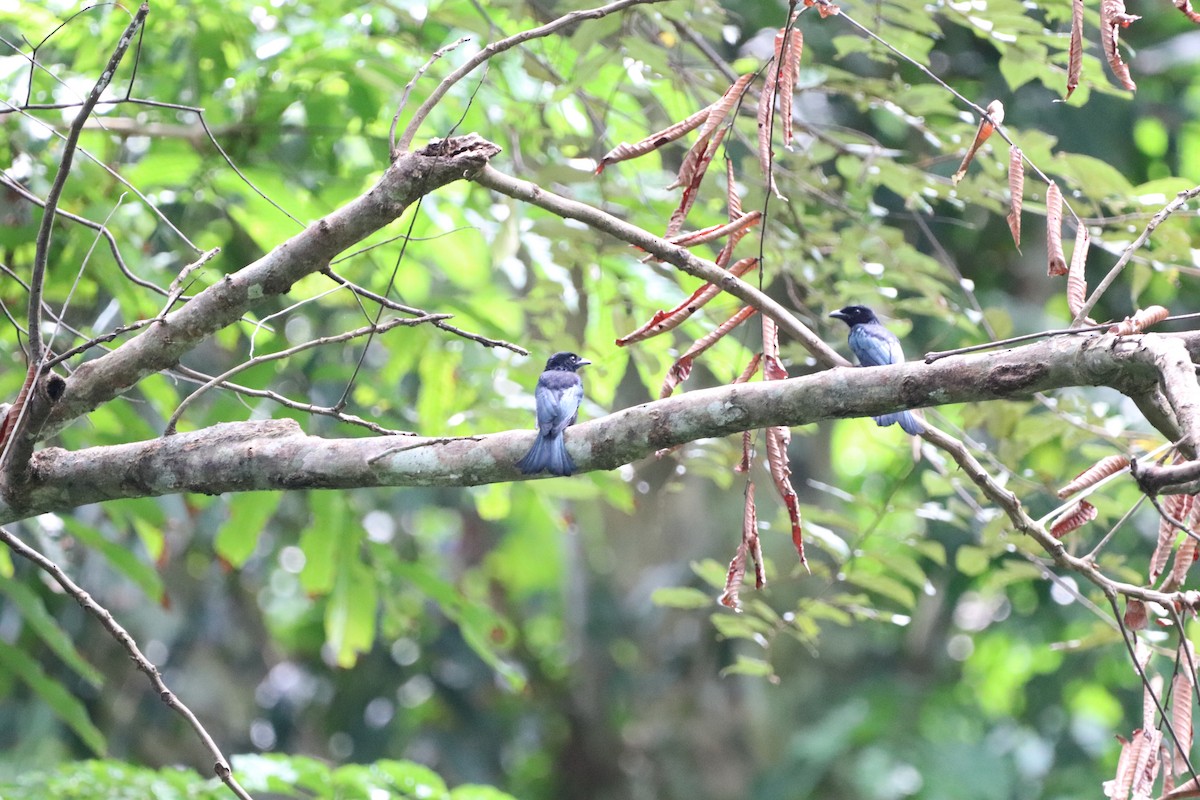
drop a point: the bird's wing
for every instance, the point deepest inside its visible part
(875, 345)
(557, 396)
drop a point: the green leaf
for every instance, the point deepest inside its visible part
(34, 613)
(248, 515)
(322, 540)
(971, 560)
(744, 665)
(681, 597)
(485, 631)
(414, 780)
(66, 706)
(122, 558)
(350, 612)
(884, 585)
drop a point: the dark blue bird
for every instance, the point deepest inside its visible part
(559, 392)
(875, 346)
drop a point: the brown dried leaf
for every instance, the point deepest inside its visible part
(1151, 690)
(1141, 319)
(1109, 465)
(1189, 789)
(717, 113)
(1074, 517)
(1076, 273)
(1075, 59)
(1181, 715)
(1112, 19)
(732, 198)
(1168, 784)
(789, 72)
(663, 321)
(1147, 765)
(749, 545)
(737, 226)
(733, 579)
(781, 473)
(760, 568)
(624, 151)
(750, 537)
(1057, 264)
(773, 369)
(1118, 787)
(1150, 315)
(682, 367)
(736, 236)
(1185, 556)
(766, 120)
(1186, 8)
(995, 111)
(736, 230)
(1016, 191)
(1135, 614)
(1177, 507)
(743, 466)
(825, 8)
(750, 369)
(675, 224)
(770, 343)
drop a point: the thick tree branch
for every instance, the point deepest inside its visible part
(252, 456)
(161, 346)
(681, 257)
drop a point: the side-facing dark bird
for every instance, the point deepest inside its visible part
(875, 346)
(559, 392)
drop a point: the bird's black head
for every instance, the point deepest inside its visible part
(855, 315)
(567, 362)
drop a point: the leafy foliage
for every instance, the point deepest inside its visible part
(276, 776)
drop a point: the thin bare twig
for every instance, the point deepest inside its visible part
(408, 87)
(1180, 200)
(88, 603)
(188, 374)
(498, 47)
(42, 253)
(99, 162)
(673, 254)
(1128, 638)
(1012, 507)
(229, 162)
(87, 223)
(386, 302)
(367, 330)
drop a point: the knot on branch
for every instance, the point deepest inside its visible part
(472, 150)
(438, 163)
(455, 157)
(1183, 478)
(21, 428)
(1009, 379)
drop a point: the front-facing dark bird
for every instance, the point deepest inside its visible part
(876, 346)
(559, 392)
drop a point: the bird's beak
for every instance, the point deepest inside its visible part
(583, 362)
(838, 315)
